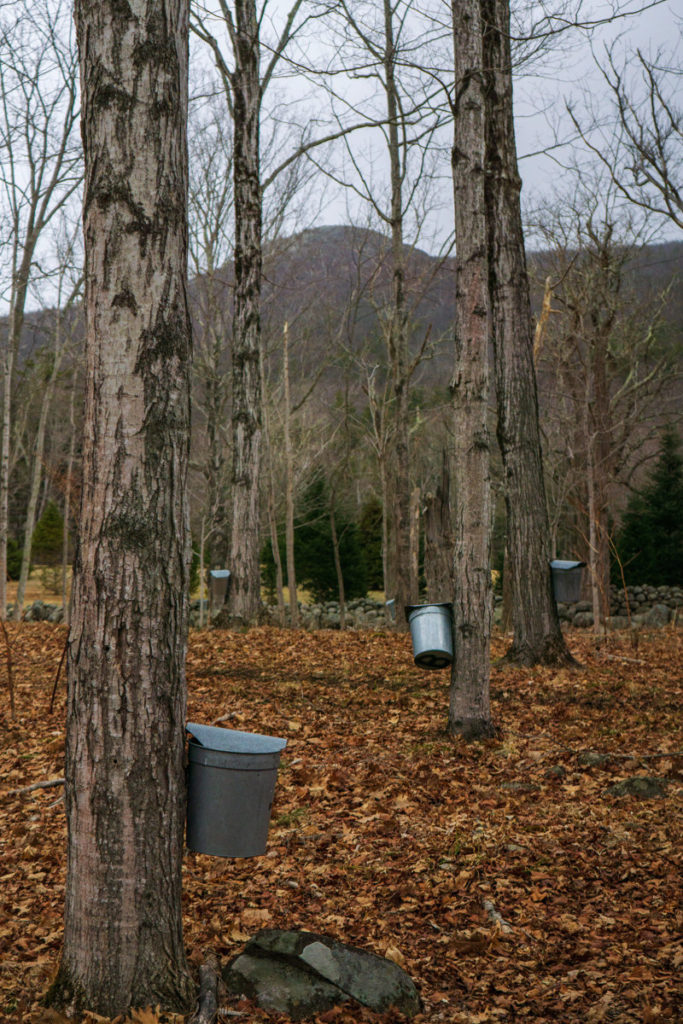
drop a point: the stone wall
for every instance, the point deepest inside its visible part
(649, 606)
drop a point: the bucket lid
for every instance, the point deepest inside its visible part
(235, 742)
(562, 565)
(410, 608)
(219, 574)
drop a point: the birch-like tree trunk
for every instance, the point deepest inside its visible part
(272, 519)
(337, 562)
(36, 476)
(125, 792)
(289, 486)
(537, 635)
(469, 709)
(245, 599)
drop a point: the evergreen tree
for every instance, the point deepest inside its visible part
(314, 552)
(650, 541)
(48, 536)
(370, 538)
(13, 559)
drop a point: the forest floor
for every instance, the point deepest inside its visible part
(503, 875)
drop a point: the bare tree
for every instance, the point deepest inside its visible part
(607, 364)
(210, 209)
(40, 169)
(640, 140)
(537, 634)
(384, 47)
(245, 77)
(469, 711)
(125, 792)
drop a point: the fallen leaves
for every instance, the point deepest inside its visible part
(390, 836)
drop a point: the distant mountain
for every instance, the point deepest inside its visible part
(330, 284)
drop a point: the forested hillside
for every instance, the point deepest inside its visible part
(331, 287)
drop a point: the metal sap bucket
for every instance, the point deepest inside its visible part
(431, 629)
(219, 584)
(567, 580)
(230, 787)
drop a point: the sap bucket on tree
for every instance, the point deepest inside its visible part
(431, 629)
(567, 580)
(231, 779)
(219, 585)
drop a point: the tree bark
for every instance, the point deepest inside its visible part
(66, 604)
(246, 381)
(469, 710)
(397, 337)
(439, 542)
(537, 636)
(125, 793)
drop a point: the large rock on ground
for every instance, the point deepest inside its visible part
(646, 787)
(302, 973)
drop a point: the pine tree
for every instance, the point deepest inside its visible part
(48, 536)
(650, 541)
(314, 550)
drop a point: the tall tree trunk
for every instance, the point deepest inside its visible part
(216, 457)
(537, 636)
(272, 521)
(387, 561)
(289, 487)
(469, 710)
(415, 496)
(125, 792)
(397, 334)
(246, 381)
(7, 374)
(337, 564)
(598, 472)
(439, 542)
(14, 329)
(67, 508)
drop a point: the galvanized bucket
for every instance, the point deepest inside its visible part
(431, 629)
(230, 787)
(219, 586)
(567, 580)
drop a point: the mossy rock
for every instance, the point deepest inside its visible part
(303, 974)
(645, 787)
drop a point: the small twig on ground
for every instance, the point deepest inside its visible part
(207, 1009)
(59, 670)
(47, 784)
(223, 718)
(622, 657)
(10, 677)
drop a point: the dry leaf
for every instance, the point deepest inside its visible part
(395, 955)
